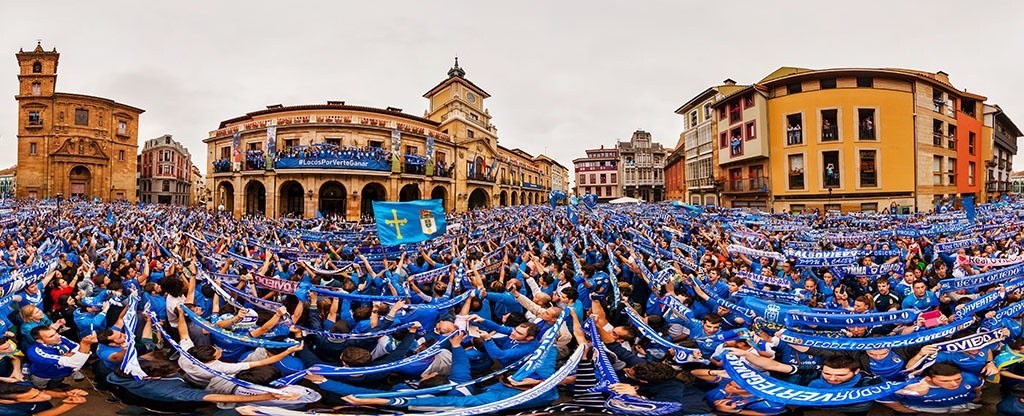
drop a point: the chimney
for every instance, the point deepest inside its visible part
(394, 109)
(942, 77)
(274, 106)
(729, 81)
(335, 103)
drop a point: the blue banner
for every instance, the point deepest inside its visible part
(409, 222)
(331, 163)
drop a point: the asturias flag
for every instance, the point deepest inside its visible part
(409, 222)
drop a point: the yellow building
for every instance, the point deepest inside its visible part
(839, 146)
(336, 158)
(860, 139)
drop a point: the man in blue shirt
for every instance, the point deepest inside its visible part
(53, 357)
(921, 298)
(520, 342)
(944, 389)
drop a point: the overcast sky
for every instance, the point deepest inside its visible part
(563, 75)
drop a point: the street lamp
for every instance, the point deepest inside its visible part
(829, 197)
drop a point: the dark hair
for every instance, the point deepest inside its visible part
(173, 286)
(356, 357)
(842, 361)
(531, 328)
(942, 369)
(656, 322)
(513, 319)
(158, 367)
(37, 331)
(8, 390)
(261, 375)
(434, 381)
(204, 353)
(652, 372)
(713, 319)
(571, 293)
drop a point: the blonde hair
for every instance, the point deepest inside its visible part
(27, 311)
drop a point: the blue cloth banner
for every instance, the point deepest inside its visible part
(409, 222)
(332, 163)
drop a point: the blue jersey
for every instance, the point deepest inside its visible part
(940, 398)
(889, 368)
(751, 403)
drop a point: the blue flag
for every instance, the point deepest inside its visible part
(409, 222)
(574, 218)
(968, 202)
(319, 214)
(590, 200)
(110, 217)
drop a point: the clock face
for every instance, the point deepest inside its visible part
(471, 97)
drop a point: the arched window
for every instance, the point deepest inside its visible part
(37, 67)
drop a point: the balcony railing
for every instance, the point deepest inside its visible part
(480, 178)
(796, 180)
(951, 141)
(35, 122)
(829, 134)
(937, 137)
(794, 136)
(998, 186)
(758, 184)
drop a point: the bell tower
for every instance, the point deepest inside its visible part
(38, 75)
(458, 104)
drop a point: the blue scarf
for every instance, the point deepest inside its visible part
(765, 280)
(959, 244)
(547, 341)
(876, 270)
(846, 320)
(333, 371)
(215, 373)
(683, 354)
(982, 279)
(779, 391)
(860, 344)
(130, 362)
(243, 339)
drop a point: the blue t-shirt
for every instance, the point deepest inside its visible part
(940, 398)
(888, 368)
(751, 403)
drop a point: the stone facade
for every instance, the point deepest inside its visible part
(71, 145)
(165, 172)
(642, 167)
(465, 167)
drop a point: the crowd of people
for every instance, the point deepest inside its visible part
(650, 309)
(327, 151)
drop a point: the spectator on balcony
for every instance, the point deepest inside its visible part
(867, 128)
(827, 132)
(793, 134)
(831, 178)
(737, 146)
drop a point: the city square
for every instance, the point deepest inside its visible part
(212, 226)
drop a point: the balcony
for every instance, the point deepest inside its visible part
(747, 185)
(479, 177)
(937, 137)
(34, 122)
(794, 136)
(998, 186)
(829, 134)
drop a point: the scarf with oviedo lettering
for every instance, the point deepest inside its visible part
(846, 320)
(860, 344)
(971, 342)
(778, 391)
